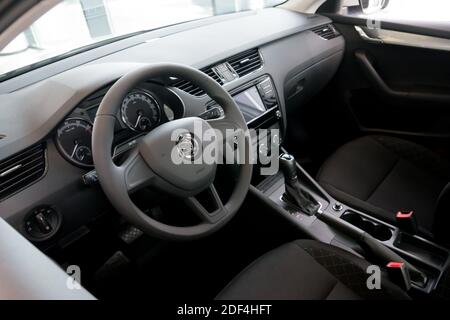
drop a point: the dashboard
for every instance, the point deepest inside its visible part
(48, 113)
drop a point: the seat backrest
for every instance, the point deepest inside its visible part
(441, 223)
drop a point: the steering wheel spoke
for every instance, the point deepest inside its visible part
(212, 212)
(224, 125)
(136, 173)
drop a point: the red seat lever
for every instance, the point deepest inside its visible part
(404, 215)
(399, 274)
(406, 221)
(395, 265)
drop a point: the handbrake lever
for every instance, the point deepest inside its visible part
(379, 252)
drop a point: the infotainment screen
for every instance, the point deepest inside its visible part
(250, 103)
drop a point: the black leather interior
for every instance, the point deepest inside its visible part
(307, 269)
(382, 175)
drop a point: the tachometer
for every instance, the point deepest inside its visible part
(74, 141)
(140, 111)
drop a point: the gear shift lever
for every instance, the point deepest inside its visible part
(294, 192)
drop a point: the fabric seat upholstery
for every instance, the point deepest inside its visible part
(382, 175)
(307, 269)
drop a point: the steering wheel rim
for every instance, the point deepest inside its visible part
(144, 167)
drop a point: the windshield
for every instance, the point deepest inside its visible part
(74, 24)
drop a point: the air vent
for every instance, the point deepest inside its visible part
(21, 170)
(246, 62)
(241, 64)
(190, 88)
(212, 74)
(326, 32)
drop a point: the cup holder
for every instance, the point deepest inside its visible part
(354, 219)
(376, 230)
(369, 227)
(382, 233)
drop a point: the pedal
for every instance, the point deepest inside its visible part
(130, 234)
(113, 268)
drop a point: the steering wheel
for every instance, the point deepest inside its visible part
(151, 162)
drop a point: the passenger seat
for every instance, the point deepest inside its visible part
(382, 175)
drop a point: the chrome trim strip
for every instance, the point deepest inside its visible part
(10, 170)
(365, 37)
(406, 39)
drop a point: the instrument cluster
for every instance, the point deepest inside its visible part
(141, 111)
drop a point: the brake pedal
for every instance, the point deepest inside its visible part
(130, 234)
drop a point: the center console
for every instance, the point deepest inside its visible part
(343, 227)
(259, 103)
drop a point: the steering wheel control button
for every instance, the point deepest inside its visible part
(42, 223)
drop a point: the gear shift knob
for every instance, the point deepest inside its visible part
(289, 167)
(294, 190)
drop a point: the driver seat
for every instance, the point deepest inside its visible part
(311, 270)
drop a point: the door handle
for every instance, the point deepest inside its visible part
(366, 37)
(384, 36)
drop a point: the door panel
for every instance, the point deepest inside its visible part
(394, 88)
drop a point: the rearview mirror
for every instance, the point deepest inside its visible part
(373, 6)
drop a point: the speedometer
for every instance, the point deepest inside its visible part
(74, 141)
(140, 111)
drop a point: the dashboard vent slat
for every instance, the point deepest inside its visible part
(24, 170)
(188, 87)
(246, 62)
(326, 32)
(21, 170)
(241, 64)
(192, 89)
(212, 74)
